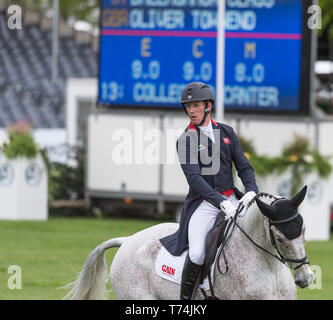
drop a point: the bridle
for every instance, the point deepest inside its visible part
(281, 258)
(226, 236)
(271, 223)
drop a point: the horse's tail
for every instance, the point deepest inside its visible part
(90, 284)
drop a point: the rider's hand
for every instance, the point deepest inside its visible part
(228, 208)
(248, 196)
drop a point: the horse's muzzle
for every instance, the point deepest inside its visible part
(301, 283)
(304, 282)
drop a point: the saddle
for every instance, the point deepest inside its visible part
(170, 267)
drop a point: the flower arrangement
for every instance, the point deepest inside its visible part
(21, 142)
(303, 160)
(298, 156)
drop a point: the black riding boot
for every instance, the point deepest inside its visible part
(191, 272)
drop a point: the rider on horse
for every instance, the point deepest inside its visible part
(206, 150)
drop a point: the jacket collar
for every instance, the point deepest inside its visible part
(191, 126)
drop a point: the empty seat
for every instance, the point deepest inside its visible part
(26, 90)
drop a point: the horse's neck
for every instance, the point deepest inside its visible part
(255, 225)
(245, 260)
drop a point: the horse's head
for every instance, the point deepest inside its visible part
(286, 229)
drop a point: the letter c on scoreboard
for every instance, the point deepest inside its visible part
(195, 48)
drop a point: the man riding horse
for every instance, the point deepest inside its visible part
(206, 150)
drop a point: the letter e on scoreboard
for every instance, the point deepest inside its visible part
(145, 47)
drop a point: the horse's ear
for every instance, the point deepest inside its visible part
(266, 209)
(298, 199)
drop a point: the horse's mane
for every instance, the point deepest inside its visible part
(261, 196)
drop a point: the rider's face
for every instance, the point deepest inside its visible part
(196, 111)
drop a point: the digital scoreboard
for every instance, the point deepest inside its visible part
(151, 49)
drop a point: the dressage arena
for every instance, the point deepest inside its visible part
(37, 258)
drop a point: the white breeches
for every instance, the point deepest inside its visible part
(202, 220)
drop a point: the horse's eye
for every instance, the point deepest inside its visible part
(279, 239)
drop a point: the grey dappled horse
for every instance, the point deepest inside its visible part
(269, 222)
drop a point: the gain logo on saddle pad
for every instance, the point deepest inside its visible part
(169, 270)
(165, 260)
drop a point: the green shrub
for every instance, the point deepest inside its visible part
(21, 142)
(297, 156)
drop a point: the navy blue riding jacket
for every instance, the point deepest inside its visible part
(208, 169)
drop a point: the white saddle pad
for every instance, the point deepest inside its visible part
(170, 267)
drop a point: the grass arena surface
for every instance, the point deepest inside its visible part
(50, 253)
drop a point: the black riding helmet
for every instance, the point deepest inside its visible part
(197, 91)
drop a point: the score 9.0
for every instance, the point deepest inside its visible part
(150, 71)
(203, 71)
